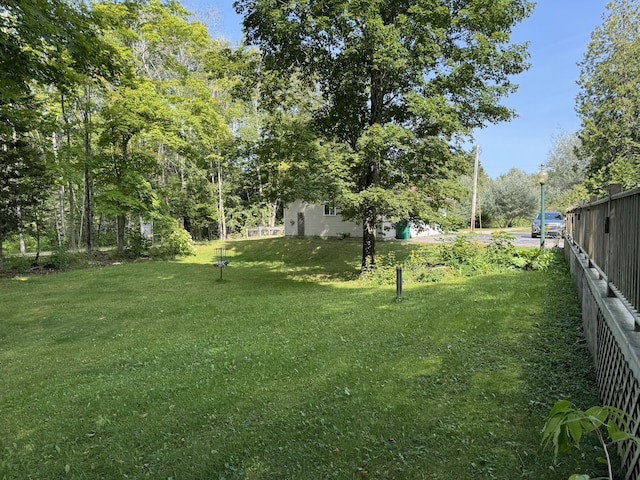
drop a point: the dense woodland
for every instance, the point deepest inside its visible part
(120, 115)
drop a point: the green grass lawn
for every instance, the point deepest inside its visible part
(288, 368)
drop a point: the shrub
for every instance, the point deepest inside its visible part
(136, 244)
(19, 263)
(465, 255)
(417, 268)
(501, 250)
(180, 243)
(535, 259)
(566, 426)
(176, 243)
(61, 257)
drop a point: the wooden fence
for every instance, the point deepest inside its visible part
(602, 246)
(608, 231)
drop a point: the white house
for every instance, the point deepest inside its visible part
(324, 220)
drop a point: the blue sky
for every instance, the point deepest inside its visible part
(558, 32)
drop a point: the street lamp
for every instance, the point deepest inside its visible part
(543, 176)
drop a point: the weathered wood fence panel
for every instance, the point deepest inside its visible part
(608, 231)
(603, 250)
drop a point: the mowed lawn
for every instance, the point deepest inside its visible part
(287, 368)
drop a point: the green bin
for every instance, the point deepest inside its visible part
(403, 230)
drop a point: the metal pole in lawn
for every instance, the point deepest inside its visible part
(398, 281)
(543, 176)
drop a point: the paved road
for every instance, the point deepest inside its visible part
(520, 239)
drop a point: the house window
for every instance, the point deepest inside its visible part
(330, 210)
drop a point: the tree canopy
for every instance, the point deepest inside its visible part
(609, 100)
(115, 115)
(401, 84)
(510, 197)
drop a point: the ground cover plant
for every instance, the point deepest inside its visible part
(290, 367)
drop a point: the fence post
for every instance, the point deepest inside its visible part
(614, 189)
(398, 281)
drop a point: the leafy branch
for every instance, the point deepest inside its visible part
(566, 425)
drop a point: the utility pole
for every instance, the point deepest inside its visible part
(475, 190)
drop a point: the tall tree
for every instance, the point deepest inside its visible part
(567, 171)
(43, 43)
(401, 84)
(133, 109)
(609, 99)
(510, 197)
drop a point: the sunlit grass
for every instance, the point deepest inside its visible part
(286, 368)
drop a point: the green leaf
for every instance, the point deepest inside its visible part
(574, 427)
(561, 406)
(598, 415)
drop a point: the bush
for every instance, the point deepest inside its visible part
(19, 263)
(61, 257)
(136, 244)
(176, 243)
(465, 255)
(536, 259)
(417, 268)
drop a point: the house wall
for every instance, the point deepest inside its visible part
(317, 224)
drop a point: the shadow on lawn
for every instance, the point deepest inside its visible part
(322, 258)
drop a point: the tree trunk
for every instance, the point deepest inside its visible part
(38, 233)
(23, 248)
(61, 229)
(1, 257)
(72, 227)
(369, 238)
(372, 176)
(72, 217)
(273, 212)
(88, 177)
(121, 220)
(88, 207)
(223, 223)
(370, 218)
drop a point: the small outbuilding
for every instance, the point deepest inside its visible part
(303, 219)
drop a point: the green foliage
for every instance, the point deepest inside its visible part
(567, 171)
(136, 245)
(468, 255)
(61, 257)
(536, 259)
(418, 267)
(438, 64)
(177, 243)
(511, 197)
(608, 102)
(464, 254)
(566, 425)
(501, 250)
(18, 263)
